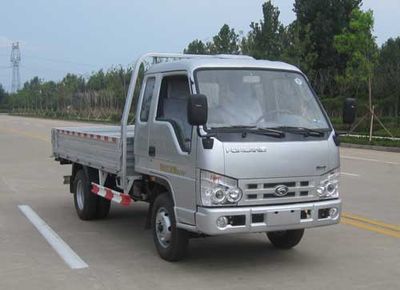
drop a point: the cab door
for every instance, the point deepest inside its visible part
(142, 127)
(171, 150)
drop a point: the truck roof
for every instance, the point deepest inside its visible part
(219, 62)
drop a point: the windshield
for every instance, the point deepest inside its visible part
(262, 98)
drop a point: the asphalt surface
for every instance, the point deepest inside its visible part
(363, 252)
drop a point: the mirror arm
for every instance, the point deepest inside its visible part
(206, 139)
(199, 132)
(207, 135)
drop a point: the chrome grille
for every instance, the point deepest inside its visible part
(263, 191)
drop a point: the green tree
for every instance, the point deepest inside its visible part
(358, 44)
(101, 97)
(3, 94)
(197, 47)
(265, 39)
(318, 22)
(225, 42)
(291, 45)
(49, 95)
(387, 76)
(31, 90)
(97, 81)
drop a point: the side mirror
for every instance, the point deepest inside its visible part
(349, 111)
(197, 110)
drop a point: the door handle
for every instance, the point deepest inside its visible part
(152, 151)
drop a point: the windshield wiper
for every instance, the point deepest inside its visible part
(271, 132)
(252, 129)
(302, 130)
(236, 127)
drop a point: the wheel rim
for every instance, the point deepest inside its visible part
(163, 227)
(80, 198)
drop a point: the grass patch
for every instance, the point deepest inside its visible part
(392, 124)
(374, 142)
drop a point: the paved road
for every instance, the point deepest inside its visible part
(361, 253)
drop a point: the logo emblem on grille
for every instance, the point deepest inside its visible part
(281, 190)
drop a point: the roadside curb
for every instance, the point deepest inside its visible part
(371, 147)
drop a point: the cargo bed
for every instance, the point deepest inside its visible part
(97, 147)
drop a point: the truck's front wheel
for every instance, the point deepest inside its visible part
(171, 242)
(285, 239)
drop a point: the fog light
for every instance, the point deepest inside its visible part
(333, 212)
(222, 222)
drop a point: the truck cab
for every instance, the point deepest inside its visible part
(266, 159)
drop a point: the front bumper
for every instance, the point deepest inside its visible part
(268, 218)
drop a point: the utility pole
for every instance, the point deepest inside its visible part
(371, 108)
(15, 59)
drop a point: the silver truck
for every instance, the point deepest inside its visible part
(219, 145)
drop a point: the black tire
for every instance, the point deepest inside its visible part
(84, 200)
(285, 239)
(103, 207)
(172, 248)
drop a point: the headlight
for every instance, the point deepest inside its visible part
(218, 195)
(234, 195)
(329, 186)
(217, 190)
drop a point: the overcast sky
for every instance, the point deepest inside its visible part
(82, 36)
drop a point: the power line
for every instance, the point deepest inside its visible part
(63, 71)
(55, 60)
(15, 65)
(60, 60)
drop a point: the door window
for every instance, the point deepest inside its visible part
(172, 108)
(147, 96)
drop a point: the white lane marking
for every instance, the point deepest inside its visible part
(369, 159)
(350, 174)
(62, 249)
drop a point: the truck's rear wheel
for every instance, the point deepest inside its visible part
(171, 242)
(85, 201)
(285, 239)
(103, 207)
